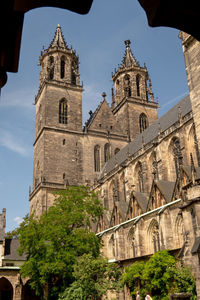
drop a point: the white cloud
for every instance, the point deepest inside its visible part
(18, 220)
(23, 98)
(10, 142)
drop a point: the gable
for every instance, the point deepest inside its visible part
(103, 119)
(161, 193)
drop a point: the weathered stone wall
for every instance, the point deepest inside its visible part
(191, 50)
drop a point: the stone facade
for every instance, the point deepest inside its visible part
(147, 170)
(64, 152)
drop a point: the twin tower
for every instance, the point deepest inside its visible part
(65, 152)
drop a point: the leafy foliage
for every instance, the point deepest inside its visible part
(93, 278)
(54, 242)
(160, 276)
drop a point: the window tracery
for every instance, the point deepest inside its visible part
(63, 111)
(62, 67)
(107, 152)
(50, 68)
(138, 85)
(143, 122)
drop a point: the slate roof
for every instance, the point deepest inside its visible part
(11, 246)
(142, 199)
(187, 170)
(123, 207)
(166, 188)
(196, 245)
(149, 134)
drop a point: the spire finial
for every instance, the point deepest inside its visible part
(128, 59)
(127, 43)
(104, 95)
(58, 40)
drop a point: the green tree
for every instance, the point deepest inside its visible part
(160, 275)
(54, 242)
(93, 278)
(133, 277)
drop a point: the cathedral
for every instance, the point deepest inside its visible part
(146, 169)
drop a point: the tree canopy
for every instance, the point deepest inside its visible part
(94, 277)
(54, 242)
(161, 275)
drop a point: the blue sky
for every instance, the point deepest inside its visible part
(98, 38)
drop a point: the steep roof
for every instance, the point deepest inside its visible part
(11, 246)
(166, 188)
(149, 134)
(103, 119)
(142, 200)
(188, 171)
(58, 40)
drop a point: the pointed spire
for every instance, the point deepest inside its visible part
(58, 40)
(129, 59)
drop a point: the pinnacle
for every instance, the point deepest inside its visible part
(129, 59)
(58, 40)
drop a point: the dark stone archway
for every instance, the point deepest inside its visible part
(6, 289)
(28, 293)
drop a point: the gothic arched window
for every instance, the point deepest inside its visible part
(97, 158)
(138, 85)
(127, 88)
(63, 110)
(154, 238)
(73, 74)
(62, 67)
(107, 153)
(143, 122)
(51, 67)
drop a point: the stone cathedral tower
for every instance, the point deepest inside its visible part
(66, 154)
(133, 104)
(58, 123)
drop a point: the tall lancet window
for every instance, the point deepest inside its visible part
(62, 68)
(107, 153)
(127, 88)
(178, 158)
(143, 122)
(73, 74)
(50, 68)
(63, 111)
(138, 85)
(97, 158)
